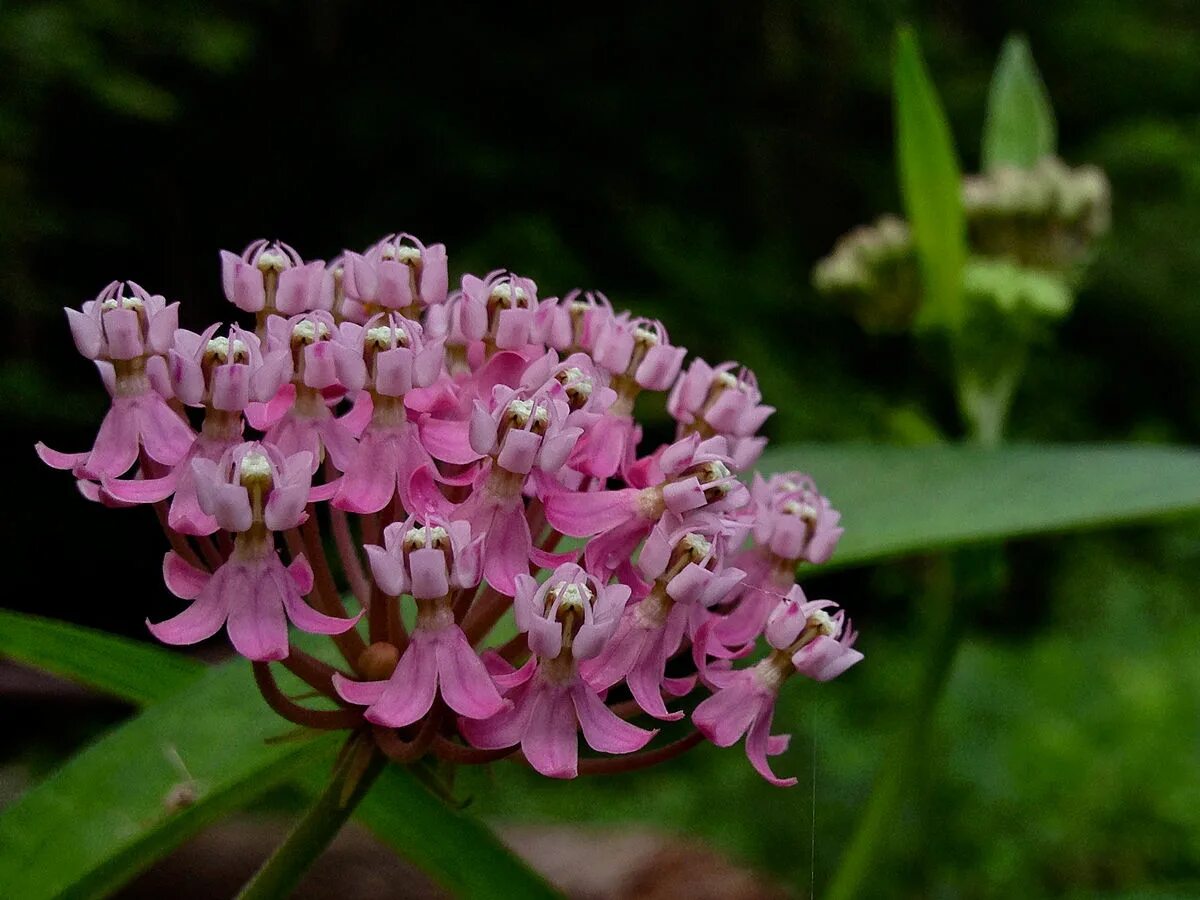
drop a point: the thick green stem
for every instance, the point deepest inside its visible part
(945, 628)
(352, 778)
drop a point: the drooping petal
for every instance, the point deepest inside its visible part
(602, 728)
(360, 693)
(183, 579)
(725, 716)
(201, 620)
(508, 546)
(411, 689)
(550, 742)
(466, 685)
(257, 624)
(758, 748)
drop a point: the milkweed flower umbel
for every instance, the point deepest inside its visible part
(413, 471)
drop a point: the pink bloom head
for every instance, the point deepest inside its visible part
(821, 646)
(523, 431)
(253, 483)
(398, 273)
(792, 520)
(123, 323)
(509, 304)
(640, 351)
(572, 610)
(426, 561)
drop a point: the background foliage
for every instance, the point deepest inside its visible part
(693, 163)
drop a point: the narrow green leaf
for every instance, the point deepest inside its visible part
(897, 500)
(142, 789)
(930, 186)
(139, 673)
(455, 849)
(1019, 128)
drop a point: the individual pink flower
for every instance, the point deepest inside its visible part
(791, 523)
(575, 322)
(518, 436)
(509, 304)
(683, 561)
(270, 277)
(689, 475)
(253, 491)
(639, 353)
(567, 619)
(397, 273)
(721, 400)
(427, 561)
(314, 367)
(220, 374)
(389, 452)
(804, 639)
(126, 336)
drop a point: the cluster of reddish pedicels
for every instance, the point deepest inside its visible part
(446, 442)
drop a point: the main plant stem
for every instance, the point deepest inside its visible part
(314, 832)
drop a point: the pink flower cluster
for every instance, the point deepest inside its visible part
(468, 462)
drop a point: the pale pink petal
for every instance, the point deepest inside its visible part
(504, 729)
(116, 447)
(165, 435)
(360, 693)
(725, 716)
(584, 514)
(550, 742)
(466, 686)
(257, 624)
(56, 459)
(201, 620)
(603, 729)
(183, 579)
(508, 545)
(757, 749)
(411, 689)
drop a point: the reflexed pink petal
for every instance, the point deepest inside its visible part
(447, 440)
(360, 693)
(166, 437)
(585, 514)
(757, 748)
(603, 729)
(411, 689)
(645, 680)
(301, 574)
(504, 729)
(466, 686)
(183, 579)
(617, 658)
(255, 599)
(507, 550)
(116, 447)
(725, 716)
(550, 742)
(56, 459)
(201, 620)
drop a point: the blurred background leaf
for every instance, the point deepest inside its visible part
(1018, 127)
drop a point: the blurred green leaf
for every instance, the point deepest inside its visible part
(142, 789)
(1019, 127)
(455, 849)
(127, 669)
(930, 185)
(897, 500)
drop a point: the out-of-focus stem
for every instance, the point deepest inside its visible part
(316, 674)
(313, 833)
(352, 565)
(350, 643)
(487, 609)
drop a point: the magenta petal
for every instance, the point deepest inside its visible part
(645, 681)
(550, 742)
(725, 716)
(257, 624)
(201, 620)
(142, 490)
(360, 693)
(508, 546)
(116, 447)
(617, 658)
(183, 579)
(56, 459)
(466, 686)
(301, 574)
(603, 729)
(447, 440)
(308, 619)
(584, 514)
(411, 689)
(757, 748)
(370, 480)
(165, 435)
(504, 729)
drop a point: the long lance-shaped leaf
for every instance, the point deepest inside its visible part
(897, 500)
(139, 673)
(930, 185)
(143, 788)
(1019, 127)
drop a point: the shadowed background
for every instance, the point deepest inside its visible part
(693, 161)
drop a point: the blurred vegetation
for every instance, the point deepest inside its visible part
(693, 161)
